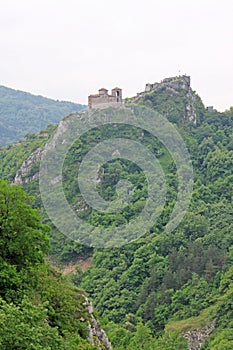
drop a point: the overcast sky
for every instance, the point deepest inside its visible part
(67, 49)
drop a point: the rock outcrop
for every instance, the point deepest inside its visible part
(172, 88)
(196, 337)
(97, 335)
(29, 170)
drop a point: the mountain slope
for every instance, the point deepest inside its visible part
(39, 308)
(22, 113)
(161, 281)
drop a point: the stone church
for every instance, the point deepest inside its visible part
(104, 99)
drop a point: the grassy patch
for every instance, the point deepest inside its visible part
(198, 322)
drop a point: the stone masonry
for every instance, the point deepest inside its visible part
(103, 99)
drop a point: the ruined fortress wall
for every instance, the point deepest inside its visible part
(178, 82)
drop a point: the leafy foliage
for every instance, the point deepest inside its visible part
(177, 281)
(39, 309)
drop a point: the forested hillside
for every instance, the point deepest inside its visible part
(22, 113)
(159, 291)
(39, 308)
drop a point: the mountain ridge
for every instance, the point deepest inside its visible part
(22, 112)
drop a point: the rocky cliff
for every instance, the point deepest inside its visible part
(97, 335)
(29, 170)
(174, 98)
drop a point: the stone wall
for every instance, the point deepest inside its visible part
(179, 82)
(107, 104)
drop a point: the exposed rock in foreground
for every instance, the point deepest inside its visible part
(196, 337)
(97, 335)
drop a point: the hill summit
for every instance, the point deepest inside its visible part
(174, 98)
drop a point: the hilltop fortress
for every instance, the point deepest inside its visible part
(175, 84)
(103, 99)
(179, 82)
(169, 87)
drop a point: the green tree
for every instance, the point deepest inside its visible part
(222, 341)
(142, 339)
(171, 341)
(23, 239)
(26, 327)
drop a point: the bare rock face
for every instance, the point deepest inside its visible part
(97, 335)
(28, 171)
(191, 113)
(196, 337)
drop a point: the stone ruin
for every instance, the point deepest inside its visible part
(103, 99)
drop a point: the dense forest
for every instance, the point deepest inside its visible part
(150, 293)
(22, 113)
(39, 308)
